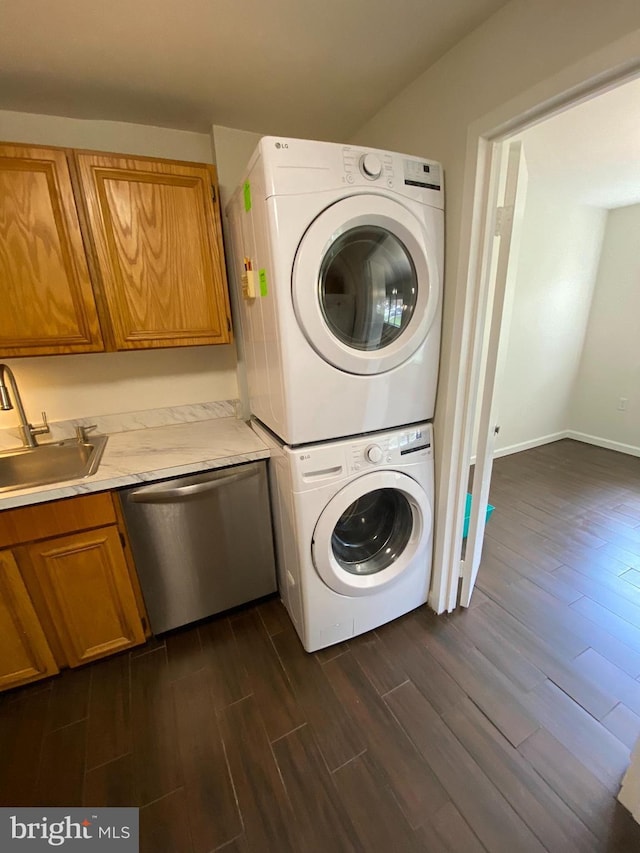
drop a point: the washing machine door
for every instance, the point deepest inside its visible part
(369, 533)
(365, 285)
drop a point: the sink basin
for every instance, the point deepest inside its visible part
(50, 463)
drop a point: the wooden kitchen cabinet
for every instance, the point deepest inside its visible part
(85, 580)
(25, 654)
(48, 304)
(108, 252)
(155, 229)
(68, 590)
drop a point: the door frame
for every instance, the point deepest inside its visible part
(596, 74)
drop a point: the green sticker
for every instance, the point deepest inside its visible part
(246, 189)
(262, 275)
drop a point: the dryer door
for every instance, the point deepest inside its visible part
(365, 284)
(370, 532)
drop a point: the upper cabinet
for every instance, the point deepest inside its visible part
(45, 291)
(155, 228)
(108, 252)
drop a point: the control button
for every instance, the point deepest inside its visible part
(370, 165)
(350, 179)
(374, 453)
(390, 182)
(388, 459)
(356, 466)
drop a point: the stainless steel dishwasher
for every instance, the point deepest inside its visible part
(202, 543)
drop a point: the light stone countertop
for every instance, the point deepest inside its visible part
(155, 453)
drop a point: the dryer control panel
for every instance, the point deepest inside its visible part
(370, 166)
(299, 166)
(379, 166)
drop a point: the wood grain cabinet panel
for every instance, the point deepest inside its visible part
(47, 299)
(86, 583)
(24, 652)
(156, 232)
(56, 518)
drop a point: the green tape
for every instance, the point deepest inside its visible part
(262, 275)
(246, 191)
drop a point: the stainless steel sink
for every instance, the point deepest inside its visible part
(50, 463)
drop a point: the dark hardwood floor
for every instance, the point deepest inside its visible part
(506, 727)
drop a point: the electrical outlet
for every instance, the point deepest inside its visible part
(622, 404)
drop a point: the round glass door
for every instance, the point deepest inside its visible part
(370, 532)
(365, 284)
(368, 287)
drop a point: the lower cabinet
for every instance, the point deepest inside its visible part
(25, 654)
(89, 596)
(65, 599)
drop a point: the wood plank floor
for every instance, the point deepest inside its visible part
(506, 727)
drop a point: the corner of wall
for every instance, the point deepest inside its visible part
(118, 136)
(629, 794)
(232, 149)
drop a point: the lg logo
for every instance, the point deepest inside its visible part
(282, 144)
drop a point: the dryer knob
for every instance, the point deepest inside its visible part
(374, 453)
(370, 166)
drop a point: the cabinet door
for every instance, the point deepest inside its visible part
(24, 653)
(156, 232)
(45, 290)
(89, 595)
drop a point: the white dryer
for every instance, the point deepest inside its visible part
(338, 257)
(353, 530)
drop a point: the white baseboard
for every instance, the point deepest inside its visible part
(629, 449)
(527, 445)
(533, 442)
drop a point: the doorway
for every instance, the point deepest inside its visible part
(478, 315)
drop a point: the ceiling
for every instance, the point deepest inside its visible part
(294, 67)
(591, 151)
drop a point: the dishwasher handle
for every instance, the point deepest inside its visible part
(157, 494)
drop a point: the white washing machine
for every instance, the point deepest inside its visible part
(338, 257)
(353, 530)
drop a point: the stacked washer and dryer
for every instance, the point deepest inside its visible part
(338, 256)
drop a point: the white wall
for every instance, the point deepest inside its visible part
(520, 46)
(519, 58)
(79, 385)
(555, 274)
(629, 794)
(232, 148)
(610, 364)
(115, 136)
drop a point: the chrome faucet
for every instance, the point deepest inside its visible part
(28, 432)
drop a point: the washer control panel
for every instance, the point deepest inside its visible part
(331, 461)
(391, 447)
(374, 453)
